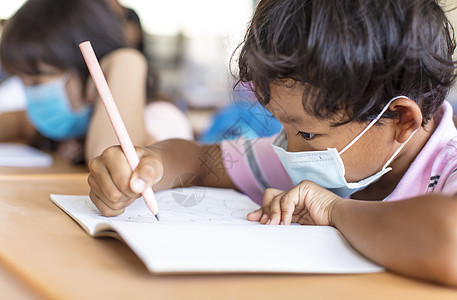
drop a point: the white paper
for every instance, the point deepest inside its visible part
(20, 155)
(205, 230)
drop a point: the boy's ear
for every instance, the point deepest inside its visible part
(409, 118)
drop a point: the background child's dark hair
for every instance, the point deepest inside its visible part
(49, 31)
(351, 55)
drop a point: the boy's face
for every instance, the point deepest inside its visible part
(308, 133)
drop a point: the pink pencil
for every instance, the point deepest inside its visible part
(116, 120)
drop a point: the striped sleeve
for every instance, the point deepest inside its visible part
(253, 166)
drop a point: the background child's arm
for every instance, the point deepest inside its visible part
(163, 165)
(15, 126)
(125, 71)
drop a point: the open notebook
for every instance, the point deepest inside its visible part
(205, 230)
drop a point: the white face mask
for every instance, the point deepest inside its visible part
(326, 167)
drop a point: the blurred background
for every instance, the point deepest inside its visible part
(190, 44)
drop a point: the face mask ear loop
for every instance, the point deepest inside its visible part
(399, 149)
(370, 124)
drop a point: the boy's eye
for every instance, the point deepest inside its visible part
(306, 135)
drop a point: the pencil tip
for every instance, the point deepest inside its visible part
(157, 217)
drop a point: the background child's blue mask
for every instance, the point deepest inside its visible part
(49, 110)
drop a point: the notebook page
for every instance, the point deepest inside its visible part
(182, 205)
(205, 230)
(82, 210)
(207, 248)
(193, 205)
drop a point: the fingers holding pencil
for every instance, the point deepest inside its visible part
(110, 194)
(111, 178)
(148, 172)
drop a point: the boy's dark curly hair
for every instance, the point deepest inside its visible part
(351, 55)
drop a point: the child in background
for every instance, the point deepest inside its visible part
(40, 45)
(131, 24)
(359, 88)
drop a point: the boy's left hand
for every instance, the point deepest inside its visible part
(307, 204)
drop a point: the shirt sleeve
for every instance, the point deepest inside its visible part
(253, 166)
(447, 181)
(450, 187)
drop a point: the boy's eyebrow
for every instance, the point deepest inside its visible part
(286, 118)
(296, 119)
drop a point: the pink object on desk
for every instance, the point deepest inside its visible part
(115, 117)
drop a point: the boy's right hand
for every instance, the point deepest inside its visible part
(113, 185)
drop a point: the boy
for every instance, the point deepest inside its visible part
(359, 88)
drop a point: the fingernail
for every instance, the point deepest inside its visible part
(138, 185)
(281, 223)
(269, 221)
(264, 217)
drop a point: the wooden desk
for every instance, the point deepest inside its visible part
(47, 251)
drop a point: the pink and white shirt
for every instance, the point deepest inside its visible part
(254, 166)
